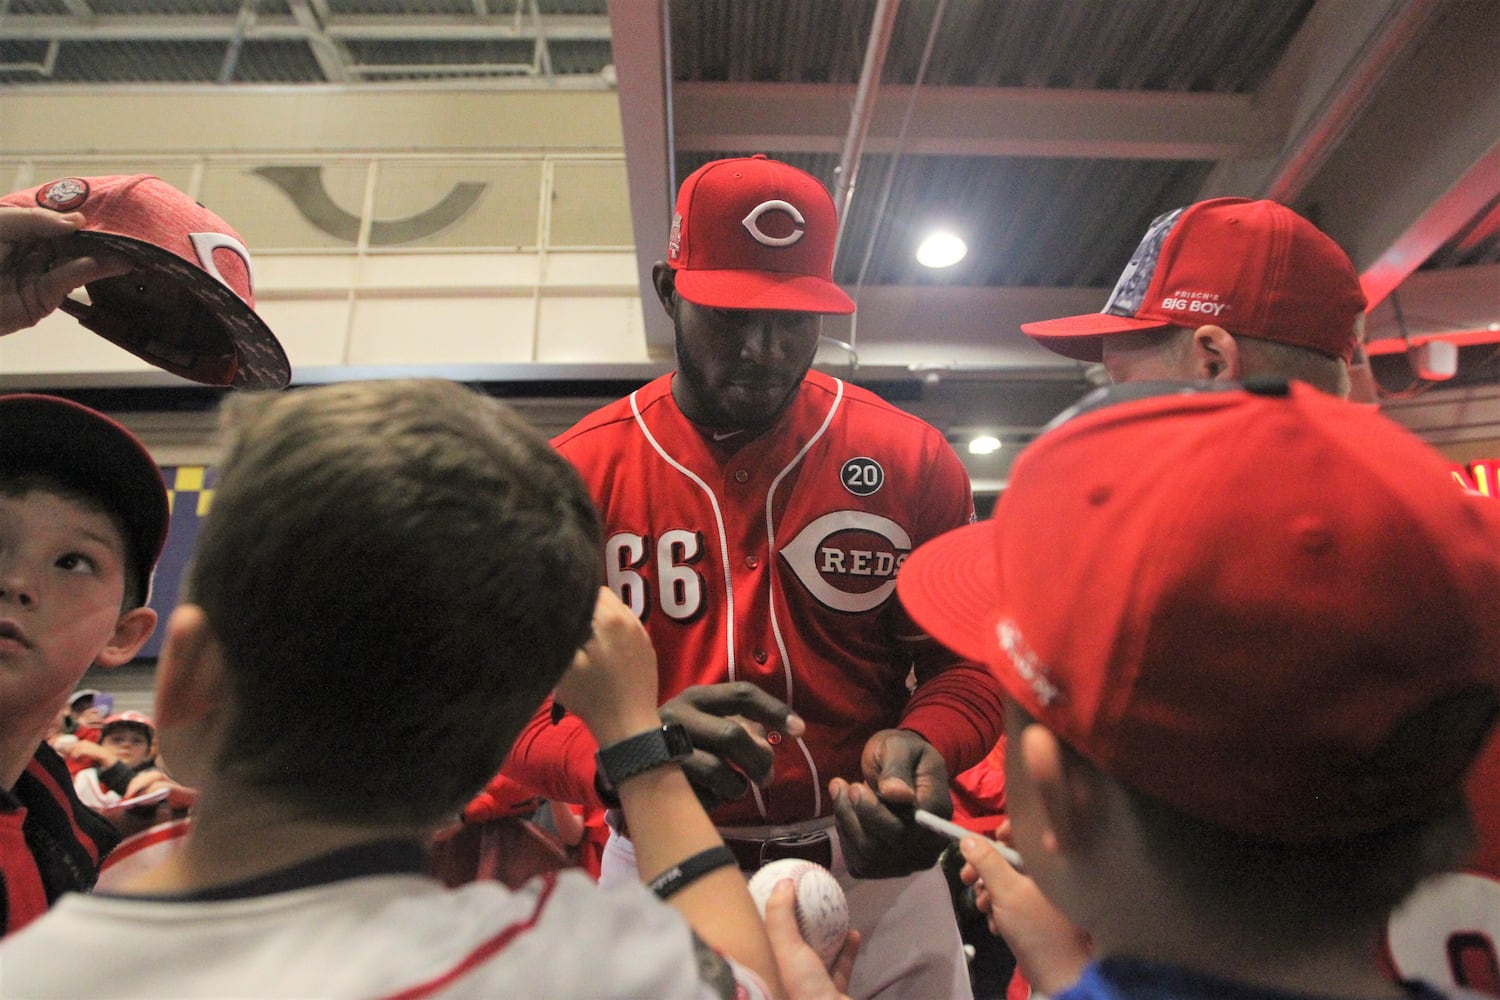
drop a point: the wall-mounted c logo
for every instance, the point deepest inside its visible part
(304, 186)
(751, 223)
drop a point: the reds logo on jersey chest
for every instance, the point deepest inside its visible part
(845, 559)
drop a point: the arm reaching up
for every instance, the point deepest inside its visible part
(612, 687)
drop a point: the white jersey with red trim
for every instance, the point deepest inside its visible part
(388, 936)
(772, 558)
(1448, 931)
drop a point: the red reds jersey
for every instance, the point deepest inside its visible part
(772, 558)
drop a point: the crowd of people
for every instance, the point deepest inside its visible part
(1222, 669)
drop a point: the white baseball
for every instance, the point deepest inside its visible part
(822, 910)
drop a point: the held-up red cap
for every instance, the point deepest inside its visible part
(1273, 612)
(756, 233)
(188, 306)
(1255, 268)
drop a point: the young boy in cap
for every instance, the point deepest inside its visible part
(127, 749)
(83, 516)
(1230, 762)
(410, 552)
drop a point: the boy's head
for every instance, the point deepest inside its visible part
(89, 707)
(62, 447)
(407, 553)
(1269, 610)
(131, 735)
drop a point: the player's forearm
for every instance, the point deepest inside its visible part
(667, 826)
(960, 712)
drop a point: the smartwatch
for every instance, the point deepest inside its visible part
(619, 762)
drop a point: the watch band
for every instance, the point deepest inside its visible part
(619, 762)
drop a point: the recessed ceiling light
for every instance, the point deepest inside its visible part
(984, 444)
(941, 250)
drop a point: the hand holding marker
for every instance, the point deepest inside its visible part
(937, 824)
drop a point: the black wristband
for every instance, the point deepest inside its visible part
(685, 873)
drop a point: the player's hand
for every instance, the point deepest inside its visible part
(1050, 949)
(902, 772)
(33, 278)
(801, 968)
(727, 723)
(612, 682)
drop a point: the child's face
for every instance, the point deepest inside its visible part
(62, 583)
(129, 744)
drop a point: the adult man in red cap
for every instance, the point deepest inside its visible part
(1224, 289)
(755, 514)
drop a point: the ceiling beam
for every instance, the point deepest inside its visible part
(645, 92)
(191, 27)
(974, 121)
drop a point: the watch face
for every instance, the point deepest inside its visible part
(679, 743)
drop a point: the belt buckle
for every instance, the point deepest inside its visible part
(813, 846)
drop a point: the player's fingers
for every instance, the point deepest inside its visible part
(713, 779)
(743, 698)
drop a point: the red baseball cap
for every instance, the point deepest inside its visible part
(85, 450)
(1255, 268)
(131, 718)
(756, 233)
(1270, 610)
(188, 305)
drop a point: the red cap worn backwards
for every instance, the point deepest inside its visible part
(756, 233)
(1255, 268)
(188, 305)
(1269, 610)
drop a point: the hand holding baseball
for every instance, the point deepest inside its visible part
(806, 974)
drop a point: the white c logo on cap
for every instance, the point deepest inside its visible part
(751, 223)
(204, 245)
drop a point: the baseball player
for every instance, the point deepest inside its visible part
(755, 516)
(1226, 289)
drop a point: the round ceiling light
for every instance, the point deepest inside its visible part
(941, 250)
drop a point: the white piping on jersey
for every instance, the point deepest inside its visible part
(786, 660)
(718, 518)
(713, 500)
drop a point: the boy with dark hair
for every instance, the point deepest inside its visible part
(83, 516)
(412, 553)
(126, 750)
(1230, 761)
